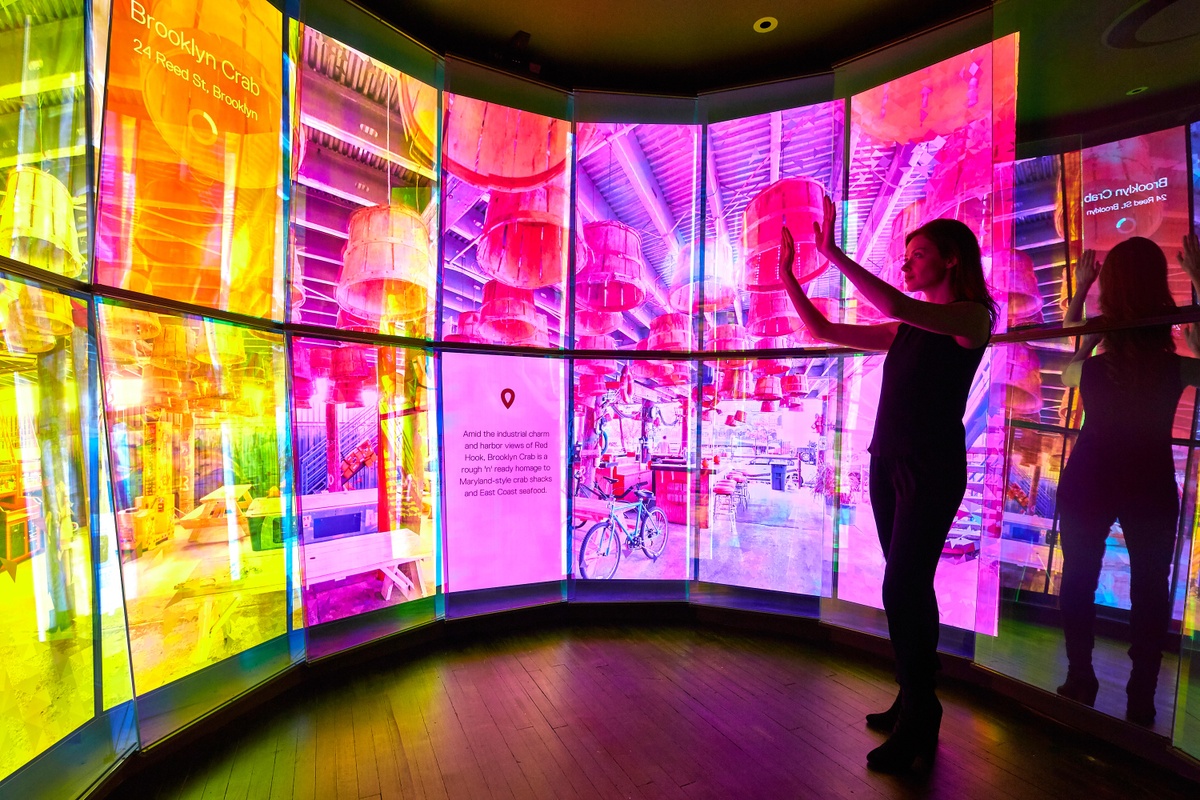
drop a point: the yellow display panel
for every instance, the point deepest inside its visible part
(43, 135)
(47, 687)
(197, 429)
(191, 163)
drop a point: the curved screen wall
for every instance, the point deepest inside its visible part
(284, 374)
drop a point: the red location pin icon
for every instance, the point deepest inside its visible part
(507, 396)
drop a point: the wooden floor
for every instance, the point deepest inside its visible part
(606, 712)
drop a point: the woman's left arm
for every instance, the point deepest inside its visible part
(969, 322)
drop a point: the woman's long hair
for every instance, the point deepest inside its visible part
(1133, 286)
(953, 239)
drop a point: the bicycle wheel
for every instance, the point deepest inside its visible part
(654, 533)
(600, 552)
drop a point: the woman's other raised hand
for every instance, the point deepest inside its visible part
(826, 230)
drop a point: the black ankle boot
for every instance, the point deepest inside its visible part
(885, 721)
(1143, 681)
(1081, 685)
(913, 745)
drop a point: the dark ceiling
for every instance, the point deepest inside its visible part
(667, 46)
(1080, 59)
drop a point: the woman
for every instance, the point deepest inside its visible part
(1122, 466)
(918, 450)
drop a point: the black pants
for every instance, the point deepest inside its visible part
(1089, 501)
(914, 499)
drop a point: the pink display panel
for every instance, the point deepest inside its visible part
(636, 263)
(937, 143)
(503, 437)
(634, 424)
(365, 208)
(1131, 187)
(765, 173)
(767, 474)
(365, 466)
(506, 224)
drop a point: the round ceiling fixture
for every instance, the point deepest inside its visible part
(1137, 90)
(766, 25)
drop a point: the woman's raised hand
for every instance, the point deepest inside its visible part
(826, 229)
(787, 260)
(1086, 271)
(1189, 257)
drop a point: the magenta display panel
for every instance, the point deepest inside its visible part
(366, 462)
(637, 202)
(767, 475)
(765, 173)
(365, 209)
(937, 143)
(634, 425)
(503, 435)
(506, 231)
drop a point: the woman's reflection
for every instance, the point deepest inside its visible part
(1122, 465)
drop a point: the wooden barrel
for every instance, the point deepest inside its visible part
(37, 222)
(794, 203)
(771, 314)
(612, 279)
(770, 366)
(592, 365)
(735, 383)
(671, 331)
(1022, 378)
(729, 337)
(962, 168)
(387, 267)
(769, 406)
(507, 313)
(541, 332)
(1013, 270)
(419, 108)
(793, 384)
(768, 388)
(221, 345)
(469, 329)
(596, 323)
(645, 369)
(524, 237)
(350, 365)
(689, 293)
(589, 386)
(501, 148)
(932, 101)
(177, 219)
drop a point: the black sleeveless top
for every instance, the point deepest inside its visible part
(1128, 419)
(926, 379)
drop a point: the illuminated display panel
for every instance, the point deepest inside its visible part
(637, 199)
(43, 137)
(190, 191)
(366, 476)
(1130, 187)
(634, 424)
(505, 235)
(937, 143)
(198, 432)
(1187, 716)
(365, 209)
(767, 473)
(765, 173)
(46, 644)
(503, 434)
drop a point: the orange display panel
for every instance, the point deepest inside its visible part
(191, 161)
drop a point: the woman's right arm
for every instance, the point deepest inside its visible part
(860, 337)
